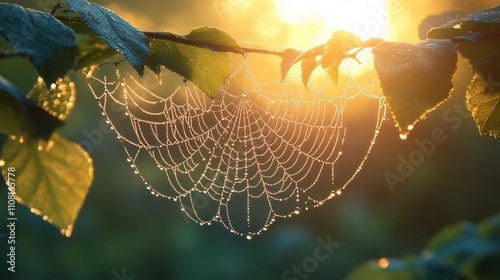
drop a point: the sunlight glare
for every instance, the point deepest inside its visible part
(311, 23)
(367, 18)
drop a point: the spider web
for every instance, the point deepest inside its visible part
(255, 153)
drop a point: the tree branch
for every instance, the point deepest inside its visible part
(215, 47)
(7, 54)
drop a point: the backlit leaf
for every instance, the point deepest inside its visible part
(115, 31)
(289, 59)
(415, 78)
(210, 36)
(52, 178)
(308, 66)
(333, 71)
(205, 68)
(49, 44)
(20, 116)
(483, 96)
(58, 101)
(330, 55)
(336, 48)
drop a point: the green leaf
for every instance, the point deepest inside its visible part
(483, 96)
(44, 123)
(72, 19)
(337, 47)
(211, 36)
(207, 69)
(333, 70)
(58, 101)
(308, 65)
(476, 34)
(21, 116)
(336, 50)
(52, 178)
(289, 59)
(92, 49)
(115, 31)
(331, 55)
(415, 78)
(484, 20)
(349, 42)
(14, 118)
(49, 44)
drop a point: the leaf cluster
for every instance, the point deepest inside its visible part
(56, 174)
(417, 78)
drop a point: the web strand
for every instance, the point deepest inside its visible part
(255, 153)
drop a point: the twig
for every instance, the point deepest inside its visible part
(7, 54)
(56, 7)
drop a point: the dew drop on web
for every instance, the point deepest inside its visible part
(257, 152)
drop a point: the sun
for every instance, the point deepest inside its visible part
(315, 20)
(311, 23)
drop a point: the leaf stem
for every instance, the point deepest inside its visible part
(7, 54)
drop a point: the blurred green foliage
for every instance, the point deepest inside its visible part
(460, 251)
